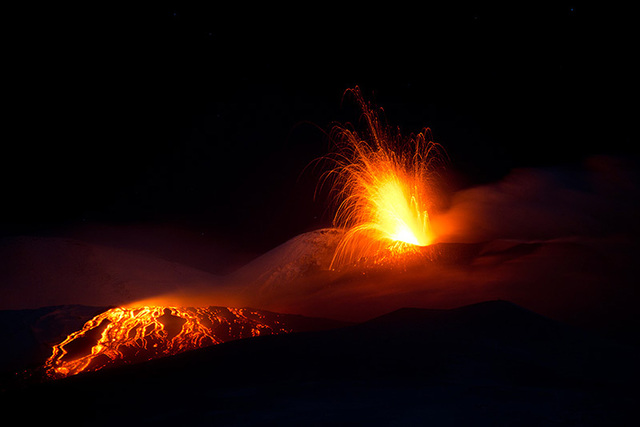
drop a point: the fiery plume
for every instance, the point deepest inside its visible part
(383, 185)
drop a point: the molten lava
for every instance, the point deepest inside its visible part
(126, 335)
(384, 185)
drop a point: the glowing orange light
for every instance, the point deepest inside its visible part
(126, 335)
(383, 183)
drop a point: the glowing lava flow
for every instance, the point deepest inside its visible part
(126, 335)
(384, 185)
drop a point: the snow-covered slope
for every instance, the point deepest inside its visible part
(45, 271)
(302, 256)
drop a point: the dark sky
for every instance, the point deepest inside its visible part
(206, 118)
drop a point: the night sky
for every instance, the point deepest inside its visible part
(206, 118)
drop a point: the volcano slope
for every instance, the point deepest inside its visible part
(484, 364)
(586, 282)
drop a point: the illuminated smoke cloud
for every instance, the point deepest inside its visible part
(598, 198)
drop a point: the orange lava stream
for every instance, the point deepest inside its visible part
(126, 335)
(384, 185)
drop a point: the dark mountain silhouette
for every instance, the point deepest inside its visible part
(28, 335)
(484, 364)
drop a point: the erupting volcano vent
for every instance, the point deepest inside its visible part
(384, 187)
(127, 335)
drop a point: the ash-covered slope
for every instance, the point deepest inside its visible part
(485, 364)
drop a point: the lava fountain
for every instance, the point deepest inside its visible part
(383, 185)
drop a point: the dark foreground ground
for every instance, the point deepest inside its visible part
(492, 363)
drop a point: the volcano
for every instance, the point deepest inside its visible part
(384, 361)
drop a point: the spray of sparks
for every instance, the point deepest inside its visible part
(383, 183)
